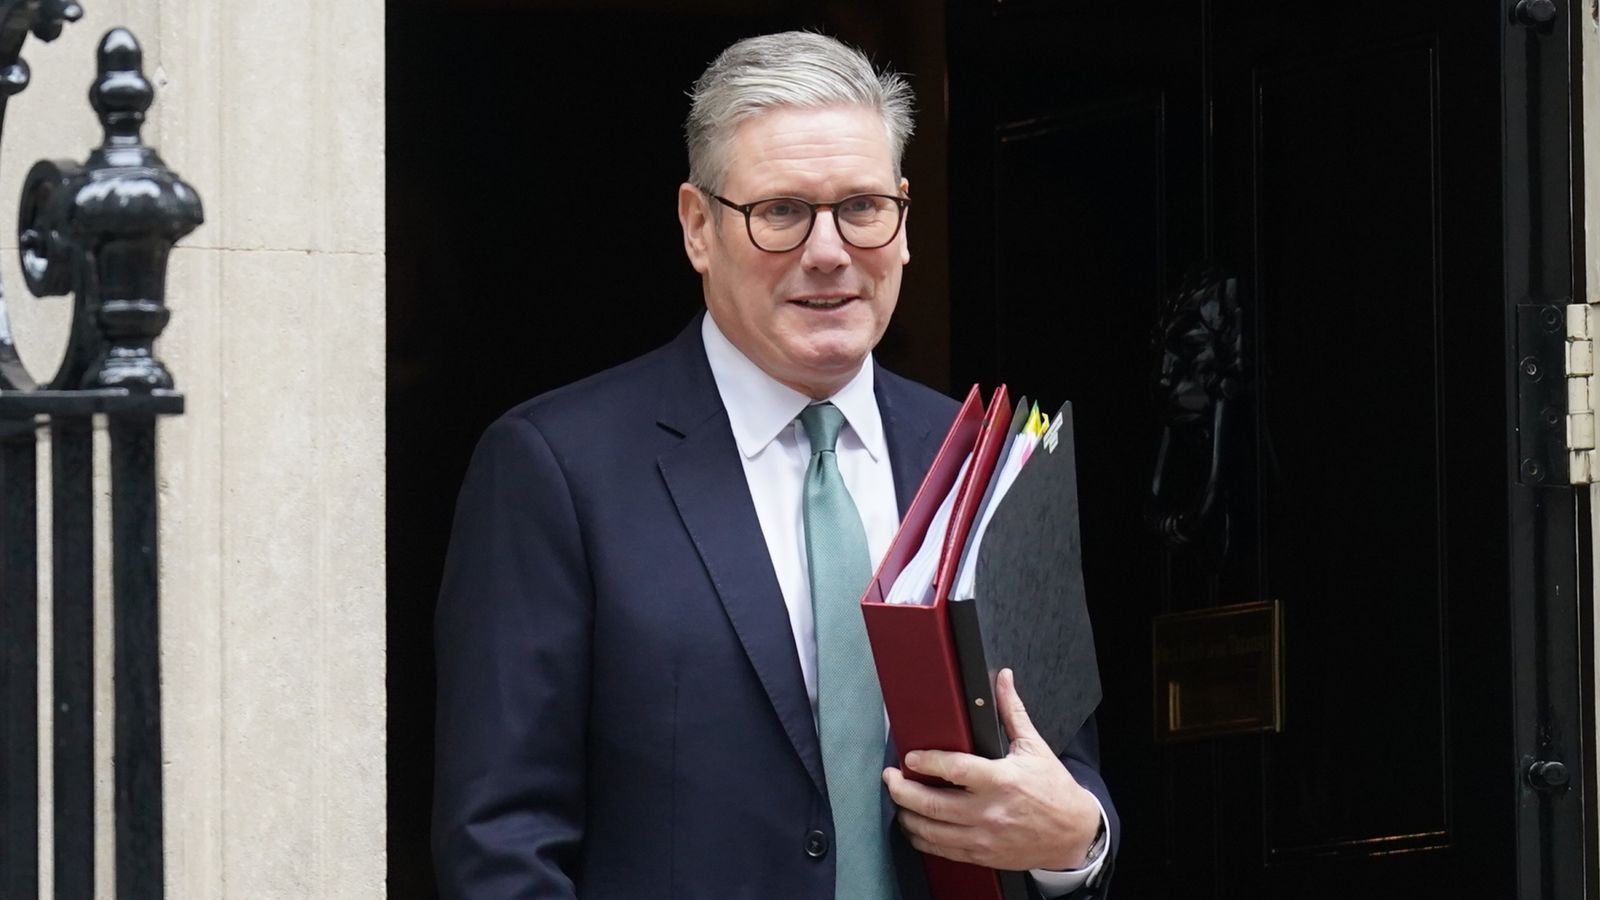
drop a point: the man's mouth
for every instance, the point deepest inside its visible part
(822, 302)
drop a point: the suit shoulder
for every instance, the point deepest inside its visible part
(621, 395)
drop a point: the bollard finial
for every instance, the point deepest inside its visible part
(118, 214)
(121, 93)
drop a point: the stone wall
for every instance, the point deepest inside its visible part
(272, 484)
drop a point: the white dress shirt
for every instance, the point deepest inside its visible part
(775, 452)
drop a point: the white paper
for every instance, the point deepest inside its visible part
(915, 584)
(967, 574)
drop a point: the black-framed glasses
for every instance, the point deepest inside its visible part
(780, 224)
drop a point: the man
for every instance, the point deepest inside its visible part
(653, 678)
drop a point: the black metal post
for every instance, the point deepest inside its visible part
(19, 662)
(135, 588)
(72, 626)
(103, 231)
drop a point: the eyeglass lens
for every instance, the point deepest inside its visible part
(783, 223)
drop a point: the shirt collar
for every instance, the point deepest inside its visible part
(760, 407)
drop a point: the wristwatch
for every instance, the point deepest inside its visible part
(1097, 847)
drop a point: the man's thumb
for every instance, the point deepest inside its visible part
(1013, 715)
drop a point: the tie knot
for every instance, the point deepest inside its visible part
(822, 422)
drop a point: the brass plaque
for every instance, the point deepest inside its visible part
(1218, 671)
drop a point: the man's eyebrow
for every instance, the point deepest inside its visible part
(851, 191)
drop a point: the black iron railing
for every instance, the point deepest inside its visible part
(100, 231)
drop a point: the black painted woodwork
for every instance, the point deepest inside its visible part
(1552, 602)
(1346, 162)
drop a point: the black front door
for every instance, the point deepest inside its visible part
(1382, 178)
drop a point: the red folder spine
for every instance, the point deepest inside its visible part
(951, 880)
(922, 692)
(913, 646)
(920, 675)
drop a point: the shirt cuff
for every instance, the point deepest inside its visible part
(1060, 882)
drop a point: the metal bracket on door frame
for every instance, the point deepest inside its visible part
(1544, 353)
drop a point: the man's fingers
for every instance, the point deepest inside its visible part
(1013, 714)
(962, 769)
(923, 845)
(940, 804)
(939, 838)
(931, 830)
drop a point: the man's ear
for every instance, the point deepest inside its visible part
(697, 224)
(905, 239)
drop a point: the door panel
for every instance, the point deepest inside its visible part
(1075, 177)
(1351, 527)
(1346, 162)
(1051, 195)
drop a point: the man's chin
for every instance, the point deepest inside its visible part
(824, 373)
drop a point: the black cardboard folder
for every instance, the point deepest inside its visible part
(1028, 610)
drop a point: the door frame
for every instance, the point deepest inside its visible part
(1551, 539)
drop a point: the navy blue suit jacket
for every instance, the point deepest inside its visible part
(620, 706)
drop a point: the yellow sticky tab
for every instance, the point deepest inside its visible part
(1031, 427)
(1037, 421)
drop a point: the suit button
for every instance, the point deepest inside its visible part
(816, 844)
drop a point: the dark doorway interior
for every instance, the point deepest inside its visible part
(1350, 173)
(534, 152)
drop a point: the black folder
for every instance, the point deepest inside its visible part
(1028, 610)
(937, 662)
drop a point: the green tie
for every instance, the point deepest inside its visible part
(849, 702)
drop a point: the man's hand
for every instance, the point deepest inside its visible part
(1022, 812)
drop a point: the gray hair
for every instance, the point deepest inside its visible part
(794, 68)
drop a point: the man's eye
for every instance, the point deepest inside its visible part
(859, 205)
(781, 211)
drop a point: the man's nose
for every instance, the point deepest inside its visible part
(825, 249)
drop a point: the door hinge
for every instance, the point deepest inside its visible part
(1547, 352)
(1583, 321)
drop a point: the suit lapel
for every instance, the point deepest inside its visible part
(911, 438)
(707, 483)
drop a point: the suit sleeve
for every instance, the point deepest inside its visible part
(1082, 759)
(512, 641)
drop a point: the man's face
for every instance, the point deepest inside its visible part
(807, 317)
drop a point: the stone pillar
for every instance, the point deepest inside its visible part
(272, 483)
